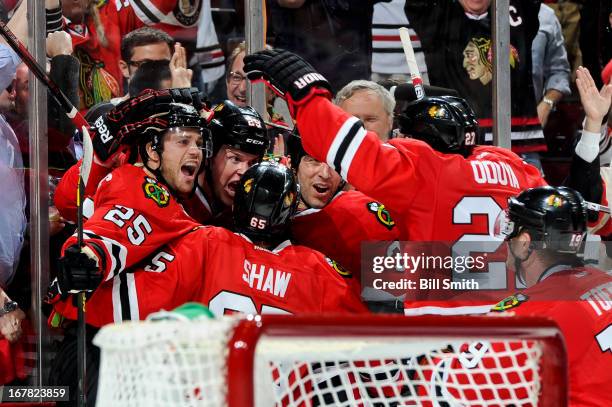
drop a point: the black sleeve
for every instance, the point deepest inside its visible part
(585, 178)
(65, 73)
(55, 22)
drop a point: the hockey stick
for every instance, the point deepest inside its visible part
(27, 58)
(597, 207)
(415, 75)
(84, 171)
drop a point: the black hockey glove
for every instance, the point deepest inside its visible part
(108, 140)
(287, 74)
(78, 271)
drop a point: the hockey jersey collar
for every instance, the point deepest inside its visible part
(554, 270)
(276, 250)
(315, 210)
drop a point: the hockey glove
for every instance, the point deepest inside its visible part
(288, 75)
(78, 270)
(108, 140)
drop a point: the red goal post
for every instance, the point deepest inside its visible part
(377, 360)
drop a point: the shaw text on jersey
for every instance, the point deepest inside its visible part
(266, 279)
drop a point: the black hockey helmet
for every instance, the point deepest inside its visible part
(446, 123)
(171, 116)
(554, 217)
(294, 148)
(239, 127)
(266, 200)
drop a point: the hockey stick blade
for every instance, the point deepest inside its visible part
(415, 75)
(27, 58)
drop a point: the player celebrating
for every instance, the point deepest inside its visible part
(255, 269)
(348, 217)
(239, 140)
(126, 228)
(438, 185)
(544, 227)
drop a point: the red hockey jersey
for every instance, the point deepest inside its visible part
(432, 196)
(580, 301)
(228, 273)
(339, 228)
(134, 215)
(66, 191)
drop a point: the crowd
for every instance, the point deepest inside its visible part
(193, 195)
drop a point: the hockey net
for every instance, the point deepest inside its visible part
(326, 361)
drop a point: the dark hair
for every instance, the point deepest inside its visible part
(149, 76)
(144, 36)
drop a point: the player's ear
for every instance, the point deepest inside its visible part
(154, 159)
(522, 245)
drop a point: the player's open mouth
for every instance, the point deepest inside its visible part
(189, 169)
(241, 98)
(231, 187)
(320, 188)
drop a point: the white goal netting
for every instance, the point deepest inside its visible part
(165, 363)
(396, 372)
(185, 364)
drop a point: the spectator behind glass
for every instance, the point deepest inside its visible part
(151, 75)
(97, 28)
(236, 80)
(370, 103)
(456, 39)
(388, 59)
(235, 77)
(13, 223)
(64, 70)
(141, 45)
(551, 70)
(333, 35)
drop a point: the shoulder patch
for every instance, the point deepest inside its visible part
(510, 302)
(382, 214)
(159, 194)
(338, 268)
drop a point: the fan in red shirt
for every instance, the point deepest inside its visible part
(97, 28)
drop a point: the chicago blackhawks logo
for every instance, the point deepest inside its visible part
(555, 201)
(510, 302)
(382, 214)
(339, 269)
(289, 198)
(437, 112)
(248, 184)
(187, 12)
(156, 192)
